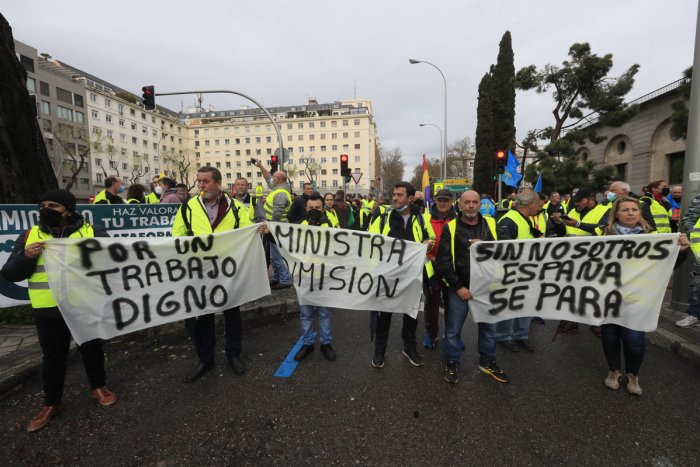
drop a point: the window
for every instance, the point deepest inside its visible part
(312, 148)
(323, 184)
(323, 148)
(334, 135)
(301, 148)
(323, 124)
(121, 122)
(268, 139)
(144, 129)
(357, 158)
(289, 126)
(334, 148)
(357, 146)
(257, 139)
(323, 136)
(78, 100)
(95, 114)
(356, 122)
(108, 103)
(345, 147)
(238, 140)
(45, 108)
(300, 126)
(134, 140)
(334, 159)
(155, 133)
(98, 178)
(133, 126)
(334, 123)
(120, 108)
(335, 183)
(93, 97)
(289, 137)
(311, 125)
(218, 165)
(65, 113)
(226, 142)
(125, 166)
(31, 85)
(228, 164)
(335, 171)
(79, 117)
(27, 63)
(110, 135)
(247, 152)
(357, 134)
(324, 172)
(206, 142)
(122, 137)
(98, 162)
(249, 174)
(345, 122)
(300, 137)
(247, 140)
(108, 118)
(217, 142)
(312, 137)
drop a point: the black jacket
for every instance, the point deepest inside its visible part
(457, 276)
(297, 212)
(20, 267)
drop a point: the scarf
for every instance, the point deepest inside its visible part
(674, 204)
(627, 230)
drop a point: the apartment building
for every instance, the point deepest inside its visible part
(61, 111)
(314, 135)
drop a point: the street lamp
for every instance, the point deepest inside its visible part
(438, 128)
(413, 61)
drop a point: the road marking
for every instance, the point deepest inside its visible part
(289, 364)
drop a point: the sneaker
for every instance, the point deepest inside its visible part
(493, 371)
(612, 381)
(525, 344)
(412, 355)
(510, 345)
(450, 373)
(428, 342)
(378, 359)
(688, 321)
(633, 386)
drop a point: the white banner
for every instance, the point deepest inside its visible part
(618, 279)
(352, 269)
(106, 287)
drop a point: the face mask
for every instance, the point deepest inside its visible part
(314, 216)
(121, 189)
(159, 190)
(611, 196)
(402, 208)
(49, 217)
(665, 191)
(419, 203)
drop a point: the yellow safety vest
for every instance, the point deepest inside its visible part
(524, 230)
(452, 225)
(592, 217)
(39, 292)
(660, 215)
(101, 196)
(695, 240)
(270, 199)
(152, 198)
(332, 217)
(133, 201)
(376, 227)
(194, 215)
(325, 224)
(540, 221)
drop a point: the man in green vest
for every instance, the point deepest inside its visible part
(113, 185)
(401, 221)
(453, 265)
(277, 206)
(57, 219)
(587, 215)
(516, 225)
(153, 197)
(210, 212)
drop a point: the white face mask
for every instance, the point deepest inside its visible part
(159, 190)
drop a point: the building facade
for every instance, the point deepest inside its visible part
(643, 149)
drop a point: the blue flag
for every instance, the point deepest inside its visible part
(538, 185)
(511, 177)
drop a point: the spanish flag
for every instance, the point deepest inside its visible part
(426, 177)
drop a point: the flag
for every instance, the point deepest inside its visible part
(538, 185)
(426, 176)
(511, 177)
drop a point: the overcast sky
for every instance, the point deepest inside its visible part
(282, 53)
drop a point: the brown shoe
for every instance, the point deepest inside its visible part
(43, 418)
(104, 396)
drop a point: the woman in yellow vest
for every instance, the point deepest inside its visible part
(57, 219)
(626, 219)
(135, 194)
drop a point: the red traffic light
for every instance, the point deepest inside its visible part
(344, 158)
(501, 154)
(149, 97)
(273, 159)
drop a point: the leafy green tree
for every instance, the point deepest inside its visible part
(679, 117)
(495, 115)
(580, 87)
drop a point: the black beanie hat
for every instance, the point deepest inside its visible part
(62, 197)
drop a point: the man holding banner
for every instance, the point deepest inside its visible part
(453, 264)
(403, 222)
(57, 219)
(210, 212)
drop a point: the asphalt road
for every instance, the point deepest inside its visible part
(555, 411)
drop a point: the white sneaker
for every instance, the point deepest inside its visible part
(612, 381)
(687, 321)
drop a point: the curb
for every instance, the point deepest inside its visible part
(676, 344)
(258, 313)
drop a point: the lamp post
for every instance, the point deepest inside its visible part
(413, 61)
(439, 129)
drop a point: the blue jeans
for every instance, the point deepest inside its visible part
(280, 273)
(324, 324)
(694, 291)
(632, 343)
(513, 329)
(452, 345)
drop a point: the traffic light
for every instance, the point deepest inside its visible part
(149, 97)
(500, 162)
(344, 169)
(273, 164)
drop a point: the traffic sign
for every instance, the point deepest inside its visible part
(356, 176)
(286, 154)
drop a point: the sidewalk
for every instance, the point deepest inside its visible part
(20, 354)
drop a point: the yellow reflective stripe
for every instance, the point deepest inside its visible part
(695, 240)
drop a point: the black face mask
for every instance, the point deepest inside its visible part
(419, 203)
(665, 191)
(49, 217)
(314, 216)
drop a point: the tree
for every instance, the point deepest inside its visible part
(495, 115)
(459, 155)
(434, 168)
(74, 152)
(102, 146)
(180, 163)
(24, 163)
(580, 88)
(392, 168)
(679, 117)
